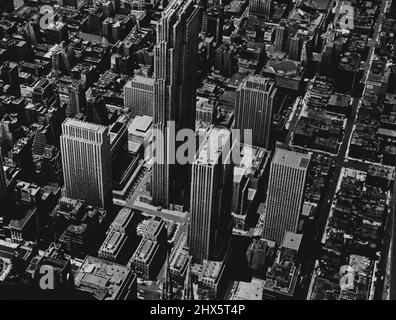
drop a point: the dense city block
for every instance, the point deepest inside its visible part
(197, 149)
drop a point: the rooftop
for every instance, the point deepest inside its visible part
(249, 290)
(102, 278)
(140, 125)
(291, 158)
(212, 146)
(122, 219)
(145, 250)
(255, 82)
(20, 223)
(154, 226)
(141, 79)
(292, 240)
(212, 269)
(113, 241)
(69, 122)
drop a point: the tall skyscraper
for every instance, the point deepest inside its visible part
(138, 95)
(77, 98)
(167, 286)
(253, 108)
(3, 187)
(211, 188)
(285, 193)
(213, 21)
(295, 46)
(174, 97)
(188, 291)
(260, 7)
(280, 36)
(86, 162)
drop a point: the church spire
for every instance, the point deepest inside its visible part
(188, 292)
(167, 289)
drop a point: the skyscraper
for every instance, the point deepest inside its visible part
(188, 291)
(285, 193)
(174, 97)
(260, 7)
(213, 21)
(76, 98)
(211, 189)
(86, 162)
(280, 36)
(295, 46)
(224, 58)
(96, 108)
(167, 286)
(138, 95)
(253, 108)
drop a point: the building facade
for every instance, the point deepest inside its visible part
(260, 7)
(86, 162)
(211, 190)
(253, 108)
(138, 95)
(174, 96)
(285, 193)
(280, 35)
(76, 98)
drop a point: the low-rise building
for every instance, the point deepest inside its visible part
(106, 280)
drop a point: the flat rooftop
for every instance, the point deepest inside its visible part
(154, 226)
(292, 240)
(123, 218)
(339, 100)
(145, 250)
(116, 127)
(20, 223)
(291, 158)
(307, 209)
(256, 82)
(249, 290)
(179, 261)
(140, 125)
(102, 278)
(251, 155)
(141, 79)
(212, 269)
(113, 240)
(69, 122)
